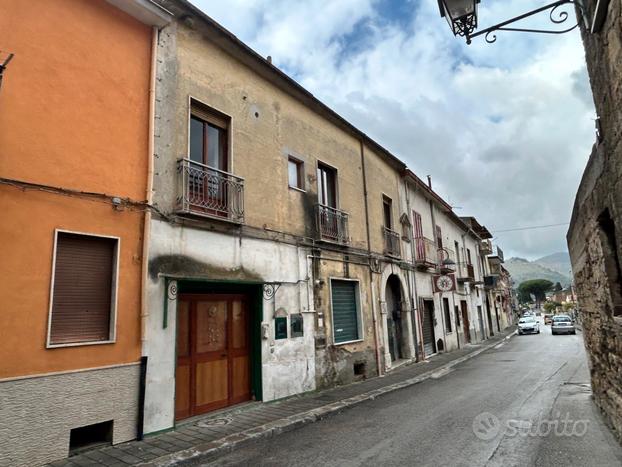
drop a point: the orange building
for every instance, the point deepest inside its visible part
(75, 156)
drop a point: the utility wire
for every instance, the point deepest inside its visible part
(530, 228)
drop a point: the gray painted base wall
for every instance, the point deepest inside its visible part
(37, 414)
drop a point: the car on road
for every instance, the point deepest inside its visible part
(562, 324)
(548, 319)
(528, 325)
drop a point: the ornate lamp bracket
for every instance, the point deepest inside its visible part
(269, 289)
(557, 16)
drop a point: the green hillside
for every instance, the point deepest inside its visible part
(523, 270)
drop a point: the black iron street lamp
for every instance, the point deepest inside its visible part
(460, 14)
(462, 18)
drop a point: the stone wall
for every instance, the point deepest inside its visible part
(595, 234)
(38, 413)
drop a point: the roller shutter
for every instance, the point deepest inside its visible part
(83, 285)
(345, 313)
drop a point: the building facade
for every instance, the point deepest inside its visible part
(595, 233)
(207, 232)
(74, 133)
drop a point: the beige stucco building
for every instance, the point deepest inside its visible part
(281, 258)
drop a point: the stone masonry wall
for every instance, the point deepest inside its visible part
(38, 413)
(595, 234)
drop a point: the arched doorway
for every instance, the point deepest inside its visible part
(395, 326)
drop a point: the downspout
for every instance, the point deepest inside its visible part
(412, 289)
(144, 310)
(371, 275)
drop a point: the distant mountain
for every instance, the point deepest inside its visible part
(524, 270)
(559, 262)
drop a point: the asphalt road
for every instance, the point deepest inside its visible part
(526, 402)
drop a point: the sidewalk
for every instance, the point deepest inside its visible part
(214, 434)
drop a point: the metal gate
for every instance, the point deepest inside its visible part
(428, 327)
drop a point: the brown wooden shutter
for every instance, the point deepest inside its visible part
(83, 281)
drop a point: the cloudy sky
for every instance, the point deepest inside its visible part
(504, 129)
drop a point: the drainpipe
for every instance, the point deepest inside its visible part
(144, 310)
(371, 275)
(412, 290)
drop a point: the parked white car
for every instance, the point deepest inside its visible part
(528, 325)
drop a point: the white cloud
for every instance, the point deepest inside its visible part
(504, 129)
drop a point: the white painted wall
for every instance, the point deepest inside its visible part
(288, 365)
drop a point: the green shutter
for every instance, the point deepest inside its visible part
(345, 316)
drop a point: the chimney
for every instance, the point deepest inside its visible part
(430, 181)
(269, 59)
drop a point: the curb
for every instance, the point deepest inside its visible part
(227, 444)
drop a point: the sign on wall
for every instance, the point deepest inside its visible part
(444, 282)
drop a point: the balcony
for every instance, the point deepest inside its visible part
(331, 224)
(467, 273)
(210, 192)
(490, 282)
(485, 247)
(391, 242)
(426, 253)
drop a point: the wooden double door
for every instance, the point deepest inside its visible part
(213, 353)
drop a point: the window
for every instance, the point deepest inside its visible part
(295, 173)
(387, 208)
(345, 308)
(83, 290)
(469, 257)
(447, 312)
(327, 186)
(457, 248)
(439, 237)
(457, 315)
(208, 142)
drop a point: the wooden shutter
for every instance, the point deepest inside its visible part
(345, 315)
(83, 284)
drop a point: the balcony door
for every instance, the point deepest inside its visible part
(330, 224)
(327, 186)
(418, 234)
(208, 164)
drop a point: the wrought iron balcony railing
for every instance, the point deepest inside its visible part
(210, 192)
(332, 224)
(467, 273)
(391, 242)
(426, 253)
